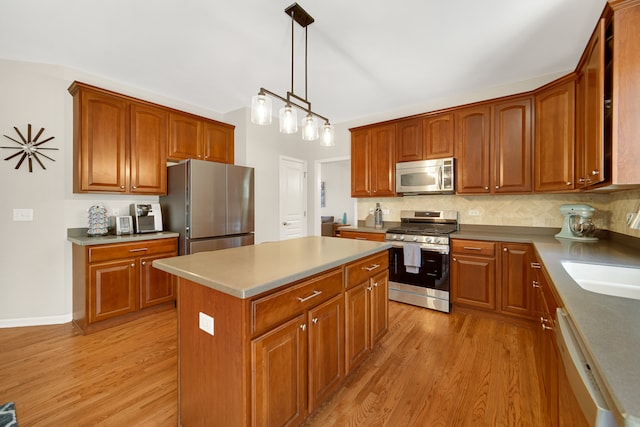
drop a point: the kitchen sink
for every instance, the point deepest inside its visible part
(605, 279)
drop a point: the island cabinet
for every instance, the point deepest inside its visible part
(492, 276)
(373, 161)
(119, 143)
(366, 296)
(273, 358)
(114, 283)
(554, 147)
(193, 137)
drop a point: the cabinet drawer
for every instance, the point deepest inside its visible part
(473, 247)
(126, 250)
(361, 270)
(362, 235)
(274, 309)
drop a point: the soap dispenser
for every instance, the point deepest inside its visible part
(377, 215)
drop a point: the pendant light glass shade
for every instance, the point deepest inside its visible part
(310, 128)
(261, 109)
(328, 136)
(288, 119)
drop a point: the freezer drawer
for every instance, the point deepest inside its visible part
(214, 244)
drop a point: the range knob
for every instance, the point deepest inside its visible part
(402, 237)
(415, 238)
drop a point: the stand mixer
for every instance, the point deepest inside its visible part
(577, 223)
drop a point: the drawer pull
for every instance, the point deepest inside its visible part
(361, 238)
(139, 250)
(314, 294)
(471, 248)
(535, 265)
(536, 284)
(371, 268)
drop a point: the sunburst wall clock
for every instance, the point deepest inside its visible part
(29, 148)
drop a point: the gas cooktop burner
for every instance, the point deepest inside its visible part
(424, 229)
(426, 223)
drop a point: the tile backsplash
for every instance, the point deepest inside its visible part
(539, 210)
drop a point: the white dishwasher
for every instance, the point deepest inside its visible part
(580, 376)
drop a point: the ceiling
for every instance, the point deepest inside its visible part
(364, 56)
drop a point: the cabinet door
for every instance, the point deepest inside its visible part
(101, 153)
(512, 147)
(473, 138)
(357, 325)
(409, 142)
(148, 150)
(361, 163)
(217, 142)
(156, 286)
(473, 281)
(555, 138)
(326, 349)
(112, 289)
(185, 137)
(590, 167)
(279, 376)
(438, 134)
(383, 161)
(515, 281)
(379, 306)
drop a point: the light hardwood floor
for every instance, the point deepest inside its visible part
(430, 369)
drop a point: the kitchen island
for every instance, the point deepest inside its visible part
(267, 332)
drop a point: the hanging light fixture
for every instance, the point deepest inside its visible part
(261, 103)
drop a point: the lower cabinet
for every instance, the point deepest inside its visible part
(366, 303)
(492, 276)
(114, 282)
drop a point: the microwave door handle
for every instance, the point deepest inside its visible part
(439, 178)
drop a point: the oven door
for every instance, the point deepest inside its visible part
(433, 272)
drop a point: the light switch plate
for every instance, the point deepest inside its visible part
(206, 323)
(23, 214)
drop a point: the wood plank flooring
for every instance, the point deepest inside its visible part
(430, 369)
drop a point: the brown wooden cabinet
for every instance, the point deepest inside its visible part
(554, 148)
(373, 161)
(409, 140)
(473, 155)
(119, 144)
(193, 137)
(516, 292)
(114, 283)
(473, 273)
(366, 302)
(438, 136)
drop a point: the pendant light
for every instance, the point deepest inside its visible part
(261, 107)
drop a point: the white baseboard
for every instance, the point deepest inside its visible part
(35, 321)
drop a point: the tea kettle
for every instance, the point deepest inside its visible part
(577, 224)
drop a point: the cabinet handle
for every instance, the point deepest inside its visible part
(139, 250)
(455, 260)
(595, 172)
(471, 248)
(569, 183)
(536, 284)
(134, 187)
(122, 187)
(144, 262)
(303, 326)
(546, 328)
(505, 250)
(535, 265)
(369, 289)
(375, 284)
(361, 238)
(314, 294)
(133, 264)
(497, 187)
(315, 320)
(372, 267)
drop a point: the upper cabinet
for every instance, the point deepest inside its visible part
(373, 161)
(555, 136)
(119, 145)
(493, 147)
(425, 137)
(192, 137)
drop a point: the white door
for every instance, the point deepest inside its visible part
(293, 198)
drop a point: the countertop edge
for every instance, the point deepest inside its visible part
(78, 236)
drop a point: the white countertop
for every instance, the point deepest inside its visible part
(608, 326)
(247, 271)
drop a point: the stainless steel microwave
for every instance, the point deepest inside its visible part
(434, 176)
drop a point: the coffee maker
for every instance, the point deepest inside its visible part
(577, 224)
(147, 217)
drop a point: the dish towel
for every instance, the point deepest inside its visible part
(412, 257)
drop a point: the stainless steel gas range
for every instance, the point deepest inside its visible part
(419, 258)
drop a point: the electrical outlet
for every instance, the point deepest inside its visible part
(23, 214)
(206, 323)
(385, 211)
(115, 211)
(474, 212)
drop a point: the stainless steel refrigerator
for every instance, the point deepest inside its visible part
(210, 204)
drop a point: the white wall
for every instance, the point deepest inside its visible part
(337, 181)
